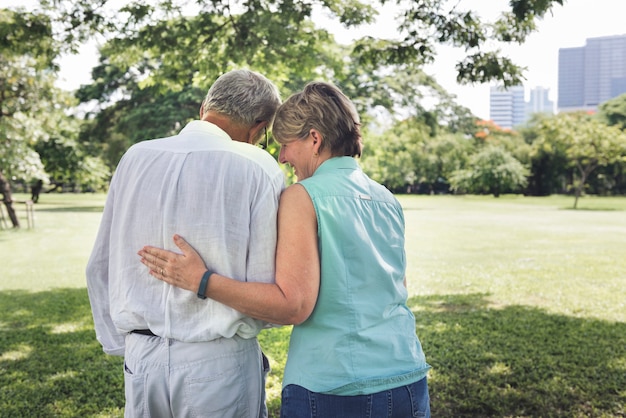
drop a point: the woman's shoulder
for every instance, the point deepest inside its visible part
(295, 193)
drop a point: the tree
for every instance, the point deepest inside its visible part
(174, 46)
(263, 30)
(586, 143)
(7, 199)
(425, 23)
(32, 109)
(613, 112)
(492, 170)
(151, 83)
(392, 158)
(24, 91)
(548, 169)
(444, 155)
(33, 117)
(27, 53)
(155, 52)
(142, 113)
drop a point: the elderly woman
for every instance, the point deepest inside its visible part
(340, 273)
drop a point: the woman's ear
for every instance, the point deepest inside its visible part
(316, 136)
(317, 140)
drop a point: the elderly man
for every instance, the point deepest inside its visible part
(184, 355)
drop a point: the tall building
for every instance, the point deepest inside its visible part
(539, 102)
(506, 106)
(592, 74)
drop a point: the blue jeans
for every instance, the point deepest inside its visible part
(402, 402)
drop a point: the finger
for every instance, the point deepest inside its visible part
(151, 266)
(156, 253)
(184, 245)
(146, 258)
(158, 273)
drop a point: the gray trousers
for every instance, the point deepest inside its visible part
(167, 378)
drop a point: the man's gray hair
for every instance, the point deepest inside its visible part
(245, 96)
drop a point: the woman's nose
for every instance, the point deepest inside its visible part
(281, 156)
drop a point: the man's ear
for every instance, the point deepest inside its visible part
(256, 131)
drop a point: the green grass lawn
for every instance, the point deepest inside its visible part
(519, 304)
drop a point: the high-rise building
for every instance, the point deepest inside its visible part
(592, 74)
(506, 106)
(539, 102)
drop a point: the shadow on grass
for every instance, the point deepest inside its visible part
(487, 362)
(50, 362)
(519, 361)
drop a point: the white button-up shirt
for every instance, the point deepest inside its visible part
(221, 196)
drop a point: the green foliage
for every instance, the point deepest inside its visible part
(584, 141)
(28, 34)
(392, 158)
(170, 47)
(76, 21)
(173, 51)
(67, 164)
(157, 61)
(527, 9)
(427, 23)
(32, 110)
(491, 170)
(482, 67)
(613, 112)
(548, 171)
(148, 114)
(444, 155)
(266, 27)
(158, 74)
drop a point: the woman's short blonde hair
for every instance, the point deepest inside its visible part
(323, 107)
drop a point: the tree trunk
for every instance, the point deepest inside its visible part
(5, 190)
(584, 174)
(579, 188)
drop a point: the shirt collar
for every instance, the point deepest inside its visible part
(338, 163)
(206, 128)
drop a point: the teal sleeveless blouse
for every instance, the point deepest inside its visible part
(360, 338)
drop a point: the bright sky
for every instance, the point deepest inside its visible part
(568, 26)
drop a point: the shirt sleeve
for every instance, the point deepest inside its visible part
(263, 232)
(97, 273)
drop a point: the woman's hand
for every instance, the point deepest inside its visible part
(181, 270)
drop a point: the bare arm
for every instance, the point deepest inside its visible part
(288, 301)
